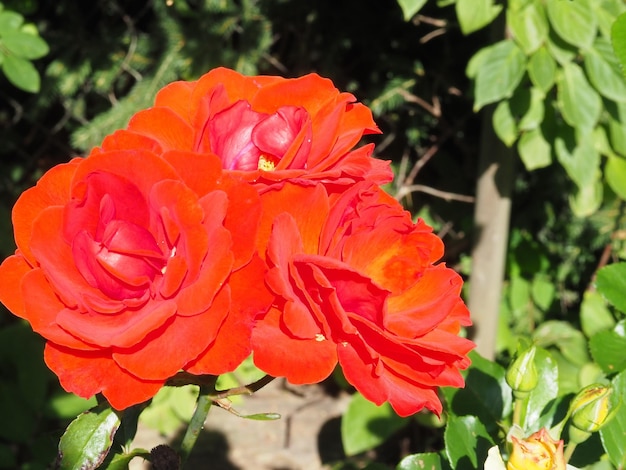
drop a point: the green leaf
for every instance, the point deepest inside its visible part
(613, 434)
(88, 439)
(587, 199)
(504, 124)
(500, 72)
(411, 7)
(430, 461)
(574, 21)
(578, 100)
(21, 73)
(485, 395)
(534, 150)
(608, 80)
(529, 26)
(477, 61)
(365, 425)
(533, 117)
(580, 162)
(618, 39)
(617, 126)
(594, 316)
(542, 69)
(534, 407)
(467, 442)
(476, 14)
(10, 21)
(569, 340)
(24, 45)
(607, 349)
(543, 291)
(611, 283)
(615, 174)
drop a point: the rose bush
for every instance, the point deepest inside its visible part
(134, 266)
(357, 284)
(264, 128)
(236, 216)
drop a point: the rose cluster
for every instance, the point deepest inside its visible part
(236, 216)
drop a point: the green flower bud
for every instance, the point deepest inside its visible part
(522, 373)
(591, 408)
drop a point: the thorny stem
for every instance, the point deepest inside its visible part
(196, 424)
(206, 397)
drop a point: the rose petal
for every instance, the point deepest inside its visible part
(278, 353)
(53, 189)
(164, 126)
(87, 373)
(124, 329)
(176, 343)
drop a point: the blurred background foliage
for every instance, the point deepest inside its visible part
(81, 69)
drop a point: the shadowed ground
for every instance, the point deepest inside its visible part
(306, 436)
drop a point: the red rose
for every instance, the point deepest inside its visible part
(264, 128)
(135, 266)
(356, 284)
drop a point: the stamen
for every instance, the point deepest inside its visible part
(266, 164)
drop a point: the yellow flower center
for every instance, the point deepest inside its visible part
(266, 163)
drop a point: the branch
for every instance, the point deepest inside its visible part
(448, 196)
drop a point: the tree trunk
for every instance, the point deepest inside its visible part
(491, 218)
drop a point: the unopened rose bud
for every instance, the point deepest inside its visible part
(522, 373)
(537, 452)
(590, 408)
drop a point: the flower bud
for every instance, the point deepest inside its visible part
(537, 452)
(522, 373)
(590, 408)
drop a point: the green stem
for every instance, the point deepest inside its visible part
(203, 405)
(517, 411)
(569, 451)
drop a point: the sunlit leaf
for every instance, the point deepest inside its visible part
(411, 7)
(542, 69)
(594, 315)
(615, 174)
(430, 461)
(607, 349)
(579, 102)
(88, 439)
(476, 14)
(485, 395)
(618, 39)
(613, 434)
(21, 73)
(534, 150)
(534, 406)
(504, 123)
(611, 283)
(529, 26)
(574, 22)
(25, 45)
(604, 76)
(467, 442)
(499, 74)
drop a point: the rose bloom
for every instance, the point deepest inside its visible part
(357, 284)
(537, 452)
(264, 128)
(135, 266)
